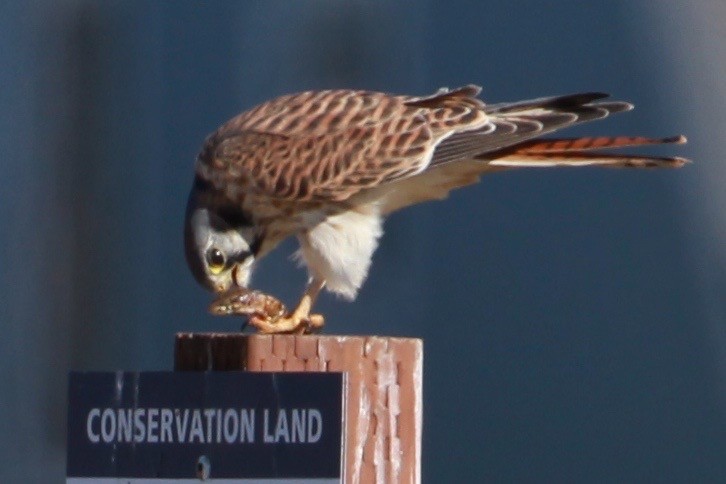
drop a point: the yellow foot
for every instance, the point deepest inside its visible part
(290, 324)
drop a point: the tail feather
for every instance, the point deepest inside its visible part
(591, 143)
(581, 158)
(544, 153)
(511, 139)
(516, 128)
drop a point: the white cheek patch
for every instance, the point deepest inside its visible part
(340, 248)
(242, 273)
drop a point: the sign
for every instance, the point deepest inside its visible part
(178, 426)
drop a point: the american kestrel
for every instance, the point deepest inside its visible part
(328, 166)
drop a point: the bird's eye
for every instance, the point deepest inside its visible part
(215, 260)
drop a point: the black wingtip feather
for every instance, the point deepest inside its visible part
(566, 102)
(573, 100)
(614, 107)
(677, 140)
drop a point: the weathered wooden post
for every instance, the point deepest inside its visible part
(382, 391)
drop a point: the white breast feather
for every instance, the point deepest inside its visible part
(339, 249)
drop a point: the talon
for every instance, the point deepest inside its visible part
(265, 325)
(312, 324)
(315, 323)
(266, 313)
(290, 324)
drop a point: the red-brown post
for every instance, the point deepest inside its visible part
(383, 395)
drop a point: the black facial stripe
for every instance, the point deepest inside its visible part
(204, 194)
(242, 256)
(201, 185)
(256, 245)
(233, 217)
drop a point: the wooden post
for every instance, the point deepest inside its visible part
(383, 397)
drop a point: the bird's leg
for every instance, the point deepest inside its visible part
(300, 321)
(309, 297)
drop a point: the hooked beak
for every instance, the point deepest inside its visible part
(230, 281)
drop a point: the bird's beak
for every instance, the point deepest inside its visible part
(232, 279)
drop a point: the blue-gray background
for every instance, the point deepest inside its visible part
(574, 320)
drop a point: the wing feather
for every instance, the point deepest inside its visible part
(333, 145)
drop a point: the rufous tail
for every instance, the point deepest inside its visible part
(579, 152)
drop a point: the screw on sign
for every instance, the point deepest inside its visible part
(204, 468)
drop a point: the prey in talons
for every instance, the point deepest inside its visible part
(265, 313)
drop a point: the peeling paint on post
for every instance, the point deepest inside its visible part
(383, 395)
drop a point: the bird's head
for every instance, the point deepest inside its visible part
(220, 244)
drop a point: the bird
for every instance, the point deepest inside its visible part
(328, 166)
